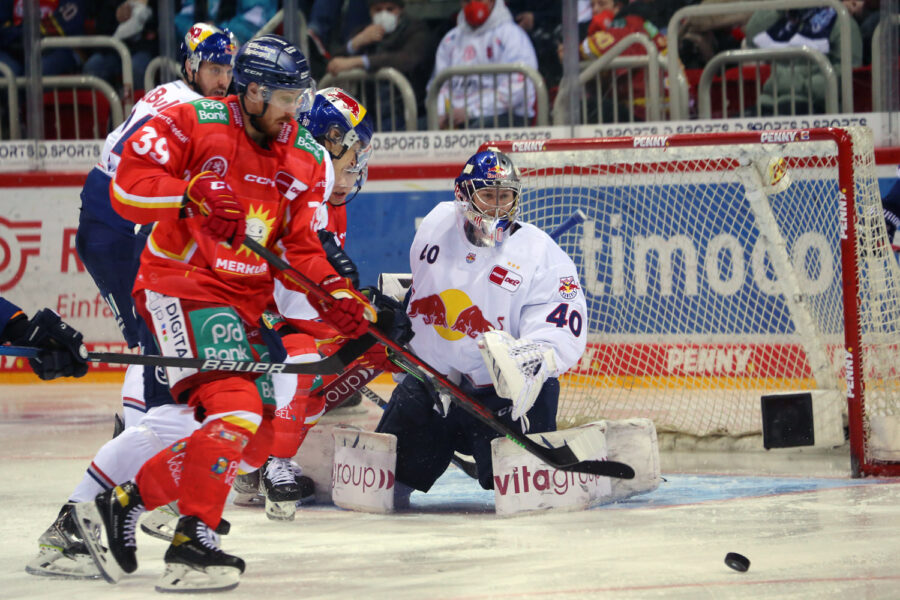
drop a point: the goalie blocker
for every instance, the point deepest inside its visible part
(365, 462)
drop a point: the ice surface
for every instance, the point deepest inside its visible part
(808, 529)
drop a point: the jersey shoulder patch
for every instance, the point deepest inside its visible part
(305, 141)
(211, 111)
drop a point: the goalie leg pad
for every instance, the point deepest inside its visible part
(634, 442)
(424, 438)
(364, 470)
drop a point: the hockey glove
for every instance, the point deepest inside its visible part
(339, 260)
(518, 368)
(210, 197)
(401, 327)
(376, 358)
(349, 310)
(62, 353)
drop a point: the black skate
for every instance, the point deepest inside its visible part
(280, 487)
(62, 553)
(107, 526)
(305, 484)
(246, 490)
(194, 562)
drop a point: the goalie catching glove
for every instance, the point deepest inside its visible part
(209, 197)
(518, 368)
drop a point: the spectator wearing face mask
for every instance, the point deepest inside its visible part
(485, 34)
(393, 39)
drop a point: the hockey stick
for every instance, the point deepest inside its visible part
(330, 365)
(466, 466)
(576, 218)
(563, 457)
(355, 380)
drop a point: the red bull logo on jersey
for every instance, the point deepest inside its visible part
(452, 314)
(568, 287)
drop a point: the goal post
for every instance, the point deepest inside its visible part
(722, 267)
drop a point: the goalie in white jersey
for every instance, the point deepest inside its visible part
(495, 305)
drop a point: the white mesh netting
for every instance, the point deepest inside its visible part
(713, 275)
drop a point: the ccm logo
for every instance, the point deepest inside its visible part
(258, 179)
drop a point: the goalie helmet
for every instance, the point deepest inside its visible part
(487, 198)
(273, 63)
(337, 117)
(206, 42)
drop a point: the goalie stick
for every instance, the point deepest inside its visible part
(330, 365)
(576, 218)
(563, 457)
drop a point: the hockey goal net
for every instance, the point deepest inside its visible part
(722, 267)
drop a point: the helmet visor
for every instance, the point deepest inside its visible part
(292, 100)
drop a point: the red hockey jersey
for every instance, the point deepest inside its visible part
(281, 187)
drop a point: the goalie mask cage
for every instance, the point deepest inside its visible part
(721, 267)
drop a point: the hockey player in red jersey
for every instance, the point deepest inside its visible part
(340, 124)
(211, 172)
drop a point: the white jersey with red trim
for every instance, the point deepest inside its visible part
(154, 102)
(527, 286)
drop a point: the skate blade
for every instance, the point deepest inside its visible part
(90, 526)
(281, 511)
(252, 500)
(180, 578)
(51, 562)
(160, 523)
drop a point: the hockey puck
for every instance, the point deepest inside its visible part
(736, 561)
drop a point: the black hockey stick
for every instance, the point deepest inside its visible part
(355, 380)
(330, 365)
(466, 466)
(562, 457)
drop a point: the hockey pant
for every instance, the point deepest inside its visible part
(297, 409)
(426, 440)
(199, 469)
(119, 459)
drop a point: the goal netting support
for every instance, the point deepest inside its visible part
(722, 267)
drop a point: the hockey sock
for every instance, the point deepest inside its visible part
(260, 446)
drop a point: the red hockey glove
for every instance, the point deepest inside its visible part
(210, 197)
(376, 358)
(349, 310)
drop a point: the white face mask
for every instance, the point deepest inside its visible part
(386, 19)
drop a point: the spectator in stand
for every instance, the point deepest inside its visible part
(485, 34)
(242, 17)
(613, 20)
(867, 14)
(393, 39)
(58, 18)
(702, 37)
(542, 21)
(330, 26)
(812, 27)
(134, 23)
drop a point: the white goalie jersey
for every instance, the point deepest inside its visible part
(527, 287)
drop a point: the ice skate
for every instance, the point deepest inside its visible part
(160, 522)
(194, 562)
(62, 553)
(247, 490)
(305, 484)
(107, 525)
(279, 485)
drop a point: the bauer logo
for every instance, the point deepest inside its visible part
(18, 242)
